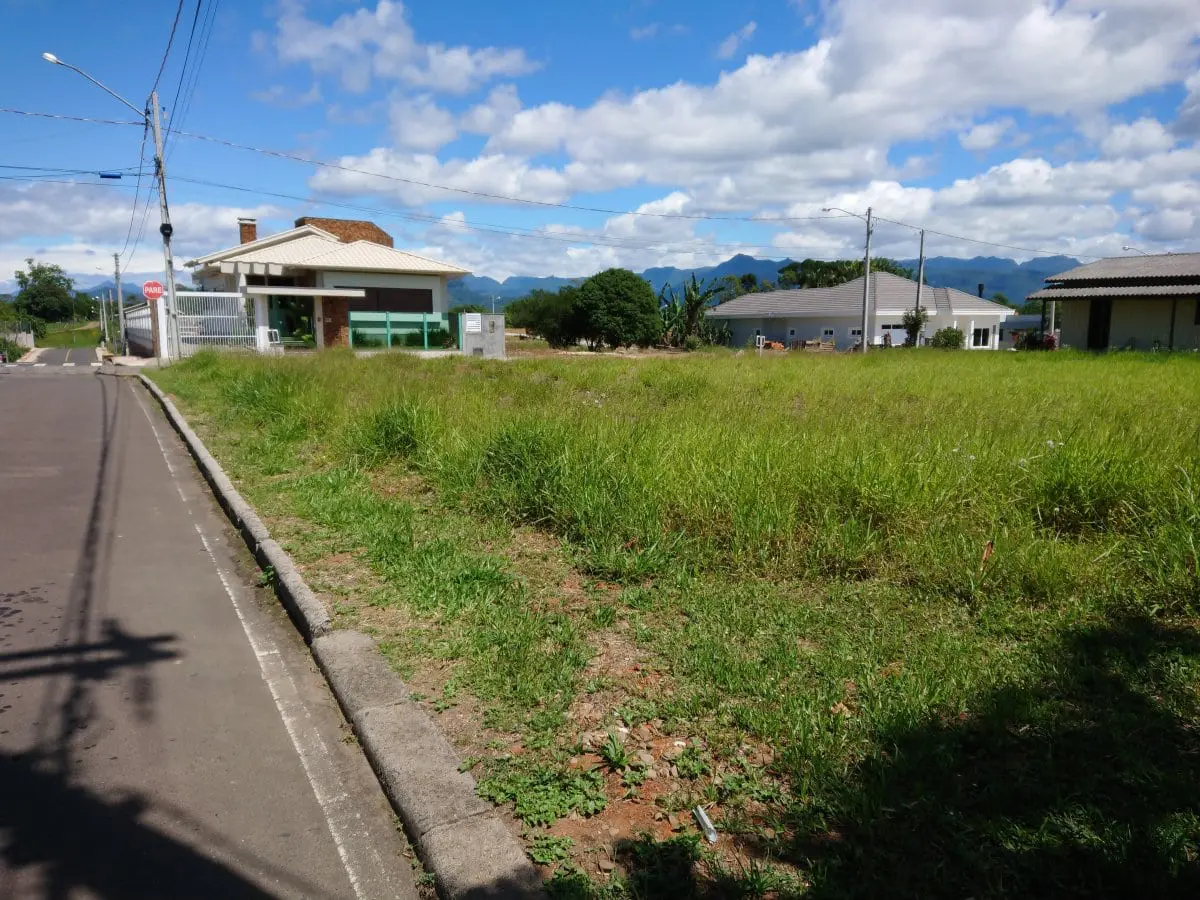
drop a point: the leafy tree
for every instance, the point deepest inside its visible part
(683, 316)
(814, 273)
(914, 324)
(749, 283)
(45, 292)
(556, 317)
(618, 308)
(949, 339)
(1002, 298)
(729, 287)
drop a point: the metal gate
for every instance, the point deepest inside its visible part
(213, 320)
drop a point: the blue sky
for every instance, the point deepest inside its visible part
(1047, 125)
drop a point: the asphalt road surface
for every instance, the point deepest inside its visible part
(163, 732)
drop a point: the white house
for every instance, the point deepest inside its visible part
(311, 279)
(835, 314)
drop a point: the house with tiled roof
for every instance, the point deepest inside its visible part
(1132, 302)
(310, 284)
(835, 314)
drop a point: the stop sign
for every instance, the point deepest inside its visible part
(152, 290)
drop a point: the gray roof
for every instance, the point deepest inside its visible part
(1020, 323)
(888, 293)
(1135, 290)
(1163, 265)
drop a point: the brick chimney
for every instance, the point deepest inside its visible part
(349, 229)
(247, 230)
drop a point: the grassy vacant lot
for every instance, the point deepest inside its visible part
(67, 334)
(915, 625)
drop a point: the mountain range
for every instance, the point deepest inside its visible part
(998, 275)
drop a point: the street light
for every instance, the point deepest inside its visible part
(866, 269)
(1136, 250)
(150, 116)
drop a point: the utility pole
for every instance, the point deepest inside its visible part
(165, 229)
(867, 286)
(920, 283)
(120, 302)
(103, 318)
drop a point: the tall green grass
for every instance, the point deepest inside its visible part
(1082, 471)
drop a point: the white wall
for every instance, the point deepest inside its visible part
(434, 283)
(812, 328)
(1140, 321)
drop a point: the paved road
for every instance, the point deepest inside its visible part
(162, 730)
(68, 357)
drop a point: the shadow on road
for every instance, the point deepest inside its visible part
(59, 837)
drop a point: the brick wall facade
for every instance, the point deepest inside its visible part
(349, 230)
(336, 313)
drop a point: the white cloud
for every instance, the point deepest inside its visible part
(1168, 225)
(494, 113)
(644, 32)
(728, 47)
(1138, 139)
(380, 43)
(418, 123)
(1187, 121)
(284, 98)
(985, 135)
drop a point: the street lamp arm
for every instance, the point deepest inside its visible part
(846, 211)
(51, 58)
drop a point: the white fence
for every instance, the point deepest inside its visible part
(139, 329)
(213, 320)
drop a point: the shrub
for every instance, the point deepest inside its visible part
(949, 339)
(691, 342)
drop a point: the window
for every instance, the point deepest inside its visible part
(407, 300)
(981, 337)
(855, 332)
(826, 334)
(791, 332)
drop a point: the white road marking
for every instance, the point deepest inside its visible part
(38, 365)
(94, 365)
(339, 809)
(337, 806)
(68, 364)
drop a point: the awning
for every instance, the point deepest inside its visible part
(280, 291)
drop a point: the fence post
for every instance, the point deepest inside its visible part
(387, 323)
(425, 328)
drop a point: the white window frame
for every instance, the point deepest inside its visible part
(854, 331)
(987, 342)
(828, 334)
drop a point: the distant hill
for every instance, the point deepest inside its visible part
(998, 275)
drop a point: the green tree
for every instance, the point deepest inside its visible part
(749, 283)
(619, 309)
(45, 292)
(816, 273)
(1002, 298)
(729, 287)
(683, 315)
(914, 324)
(556, 317)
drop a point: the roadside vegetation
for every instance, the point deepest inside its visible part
(911, 625)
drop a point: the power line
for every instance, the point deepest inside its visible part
(126, 170)
(137, 189)
(512, 231)
(206, 31)
(150, 195)
(183, 71)
(33, 179)
(502, 197)
(170, 42)
(42, 115)
(959, 237)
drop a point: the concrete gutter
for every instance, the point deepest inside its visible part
(457, 835)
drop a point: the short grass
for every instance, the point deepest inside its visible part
(68, 335)
(915, 625)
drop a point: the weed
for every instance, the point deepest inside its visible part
(547, 849)
(614, 753)
(267, 577)
(691, 764)
(542, 794)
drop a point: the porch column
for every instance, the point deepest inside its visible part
(318, 324)
(262, 324)
(995, 337)
(337, 321)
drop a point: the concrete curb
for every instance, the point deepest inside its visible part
(457, 835)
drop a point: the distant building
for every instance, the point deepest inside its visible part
(1133, 302)
(835, 314)
(1015, 327)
